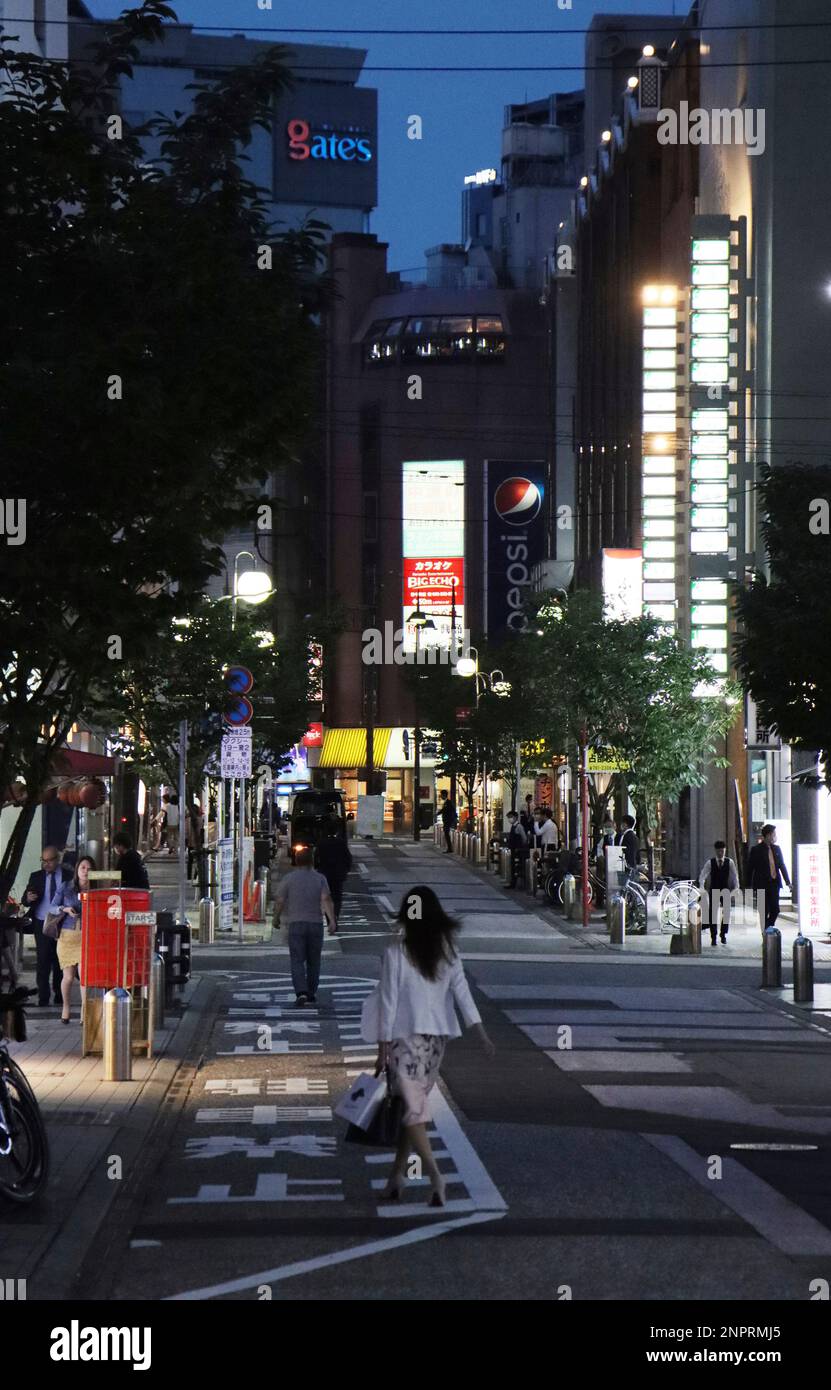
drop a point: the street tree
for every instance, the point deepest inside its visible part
(784, 642)
(153, 375)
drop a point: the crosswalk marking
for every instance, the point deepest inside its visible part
(264, 1114)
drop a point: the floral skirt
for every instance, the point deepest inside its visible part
(69, 948)
(414, 1064)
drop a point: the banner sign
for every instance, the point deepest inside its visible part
(514, 540)
(226, 884)
(235, 757)
(812, 883)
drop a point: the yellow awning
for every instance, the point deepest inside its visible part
(347, 747)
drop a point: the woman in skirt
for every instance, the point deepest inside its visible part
(421, 980)
(67, 901)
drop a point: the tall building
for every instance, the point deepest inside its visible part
(318, 160)
(39, 26)
(692, 333)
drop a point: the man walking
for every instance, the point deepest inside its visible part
(172, 812)
(718, 880)
(518, 845)
(40, 890)
(766, 870)
(334, 861)
(133, 872)
(449, 820)
(303, 897)
(628, 842)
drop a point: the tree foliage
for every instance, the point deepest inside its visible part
(784, 643)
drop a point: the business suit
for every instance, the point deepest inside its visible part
(763, 879)
(48, 970)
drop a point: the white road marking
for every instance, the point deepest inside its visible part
(440, 1152)
(143, 1244)
(775, 1218)
(217, 1146)
(336, 1257)
(278, 1048)
(385, 903)
(269, 1187)
(598, 1060)
(263, 1114)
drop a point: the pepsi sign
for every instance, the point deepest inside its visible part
(515, 540)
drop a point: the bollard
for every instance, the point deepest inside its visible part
(803, 970)
(474, 849)
(118, 1052)
(207, 920)
(259, 901)
(505, 865)
(772, 958)
(617, 921)
(157, 991)
(569, 895)
(532, 871)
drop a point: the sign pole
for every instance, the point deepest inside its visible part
(241, 855)
(183, 821)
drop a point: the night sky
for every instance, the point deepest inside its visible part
(420, 183)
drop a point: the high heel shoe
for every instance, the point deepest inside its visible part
(65, 1020)
(391, 1194)
(437, 1199)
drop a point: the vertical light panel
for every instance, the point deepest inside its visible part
(659, 438)
(712, 394)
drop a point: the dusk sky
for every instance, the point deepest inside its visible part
(420, 183)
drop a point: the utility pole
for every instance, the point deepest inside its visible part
(183, 809)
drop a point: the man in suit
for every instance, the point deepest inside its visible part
(40, 890)
(518, 845)
(718, 881)
(129, 861)
(765, 870)
(628, 841)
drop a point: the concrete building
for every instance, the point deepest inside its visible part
(39, 26)
(694, 241)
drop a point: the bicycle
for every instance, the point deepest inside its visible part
(24, 1148)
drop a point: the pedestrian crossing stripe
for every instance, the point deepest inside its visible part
(255, 1086)
(220, 1146)
(269, 1187)
(264, 1114)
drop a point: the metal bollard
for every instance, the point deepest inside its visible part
(118, 1051)
(772, 958)
(259, 901)
(617, 921)
(474, 849)
(157, 991)
(569, 895)
(803, 970)
(207, 920)
(505, 865)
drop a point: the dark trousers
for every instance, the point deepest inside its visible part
(48, 970)
(448, 838)
(767, 905)
(305, 949)
(336, 889)
(518, 858)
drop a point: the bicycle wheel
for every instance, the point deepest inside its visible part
(676, 900)
(25, 1168)
(635, 911)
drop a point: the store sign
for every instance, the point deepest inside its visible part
(433, 544)
(325, 144)
(514, 540)
(313, 737)
(622, 584)
(814, 904)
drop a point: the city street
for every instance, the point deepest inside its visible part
(586, 1171)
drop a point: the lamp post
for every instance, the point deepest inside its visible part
(419, 622)
(494, 681)
(252, 586)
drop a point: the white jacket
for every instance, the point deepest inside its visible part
(405, 1002)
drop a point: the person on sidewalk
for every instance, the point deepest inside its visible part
(528, 817)
(628, 841)
(172, 812)
(449, 820)
(765, 870)
(718, 881)
(548, 836)
(67, 901)
(303, 898)
(412, 1016)
(40, 890)
(133, 872)
(334, 861)
(518, 845)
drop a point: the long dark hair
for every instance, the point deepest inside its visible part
(84, 859)
(428, 931)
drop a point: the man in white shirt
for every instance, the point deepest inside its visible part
(172, 813)
(547, 832)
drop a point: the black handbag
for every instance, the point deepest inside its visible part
(385, 1128)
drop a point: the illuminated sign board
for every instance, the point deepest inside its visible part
(622, 583)
(659, 424)
(433, 544)
(481, 176)
(514, 540)
(325, 143)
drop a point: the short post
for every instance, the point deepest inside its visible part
(157, 991)
(772, 958)
(474, 849)
(118, 1050)
(207, 920)
(617, 921)
(803, 970)
(569, 896)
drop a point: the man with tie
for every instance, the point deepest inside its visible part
(42, 886)
(766, 870)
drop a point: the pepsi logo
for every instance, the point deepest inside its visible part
(517, 501)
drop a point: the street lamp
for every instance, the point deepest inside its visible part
(494, 681)
(252, 585)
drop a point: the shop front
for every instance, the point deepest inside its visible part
(342, 764)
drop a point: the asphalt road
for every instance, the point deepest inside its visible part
(594, 1158)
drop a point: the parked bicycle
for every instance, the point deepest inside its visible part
(24, 1149)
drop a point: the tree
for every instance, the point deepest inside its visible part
(628, 687)
(784, 643)
(152, 376)
(182, 680)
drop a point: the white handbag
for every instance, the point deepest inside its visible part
(362, 1101)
